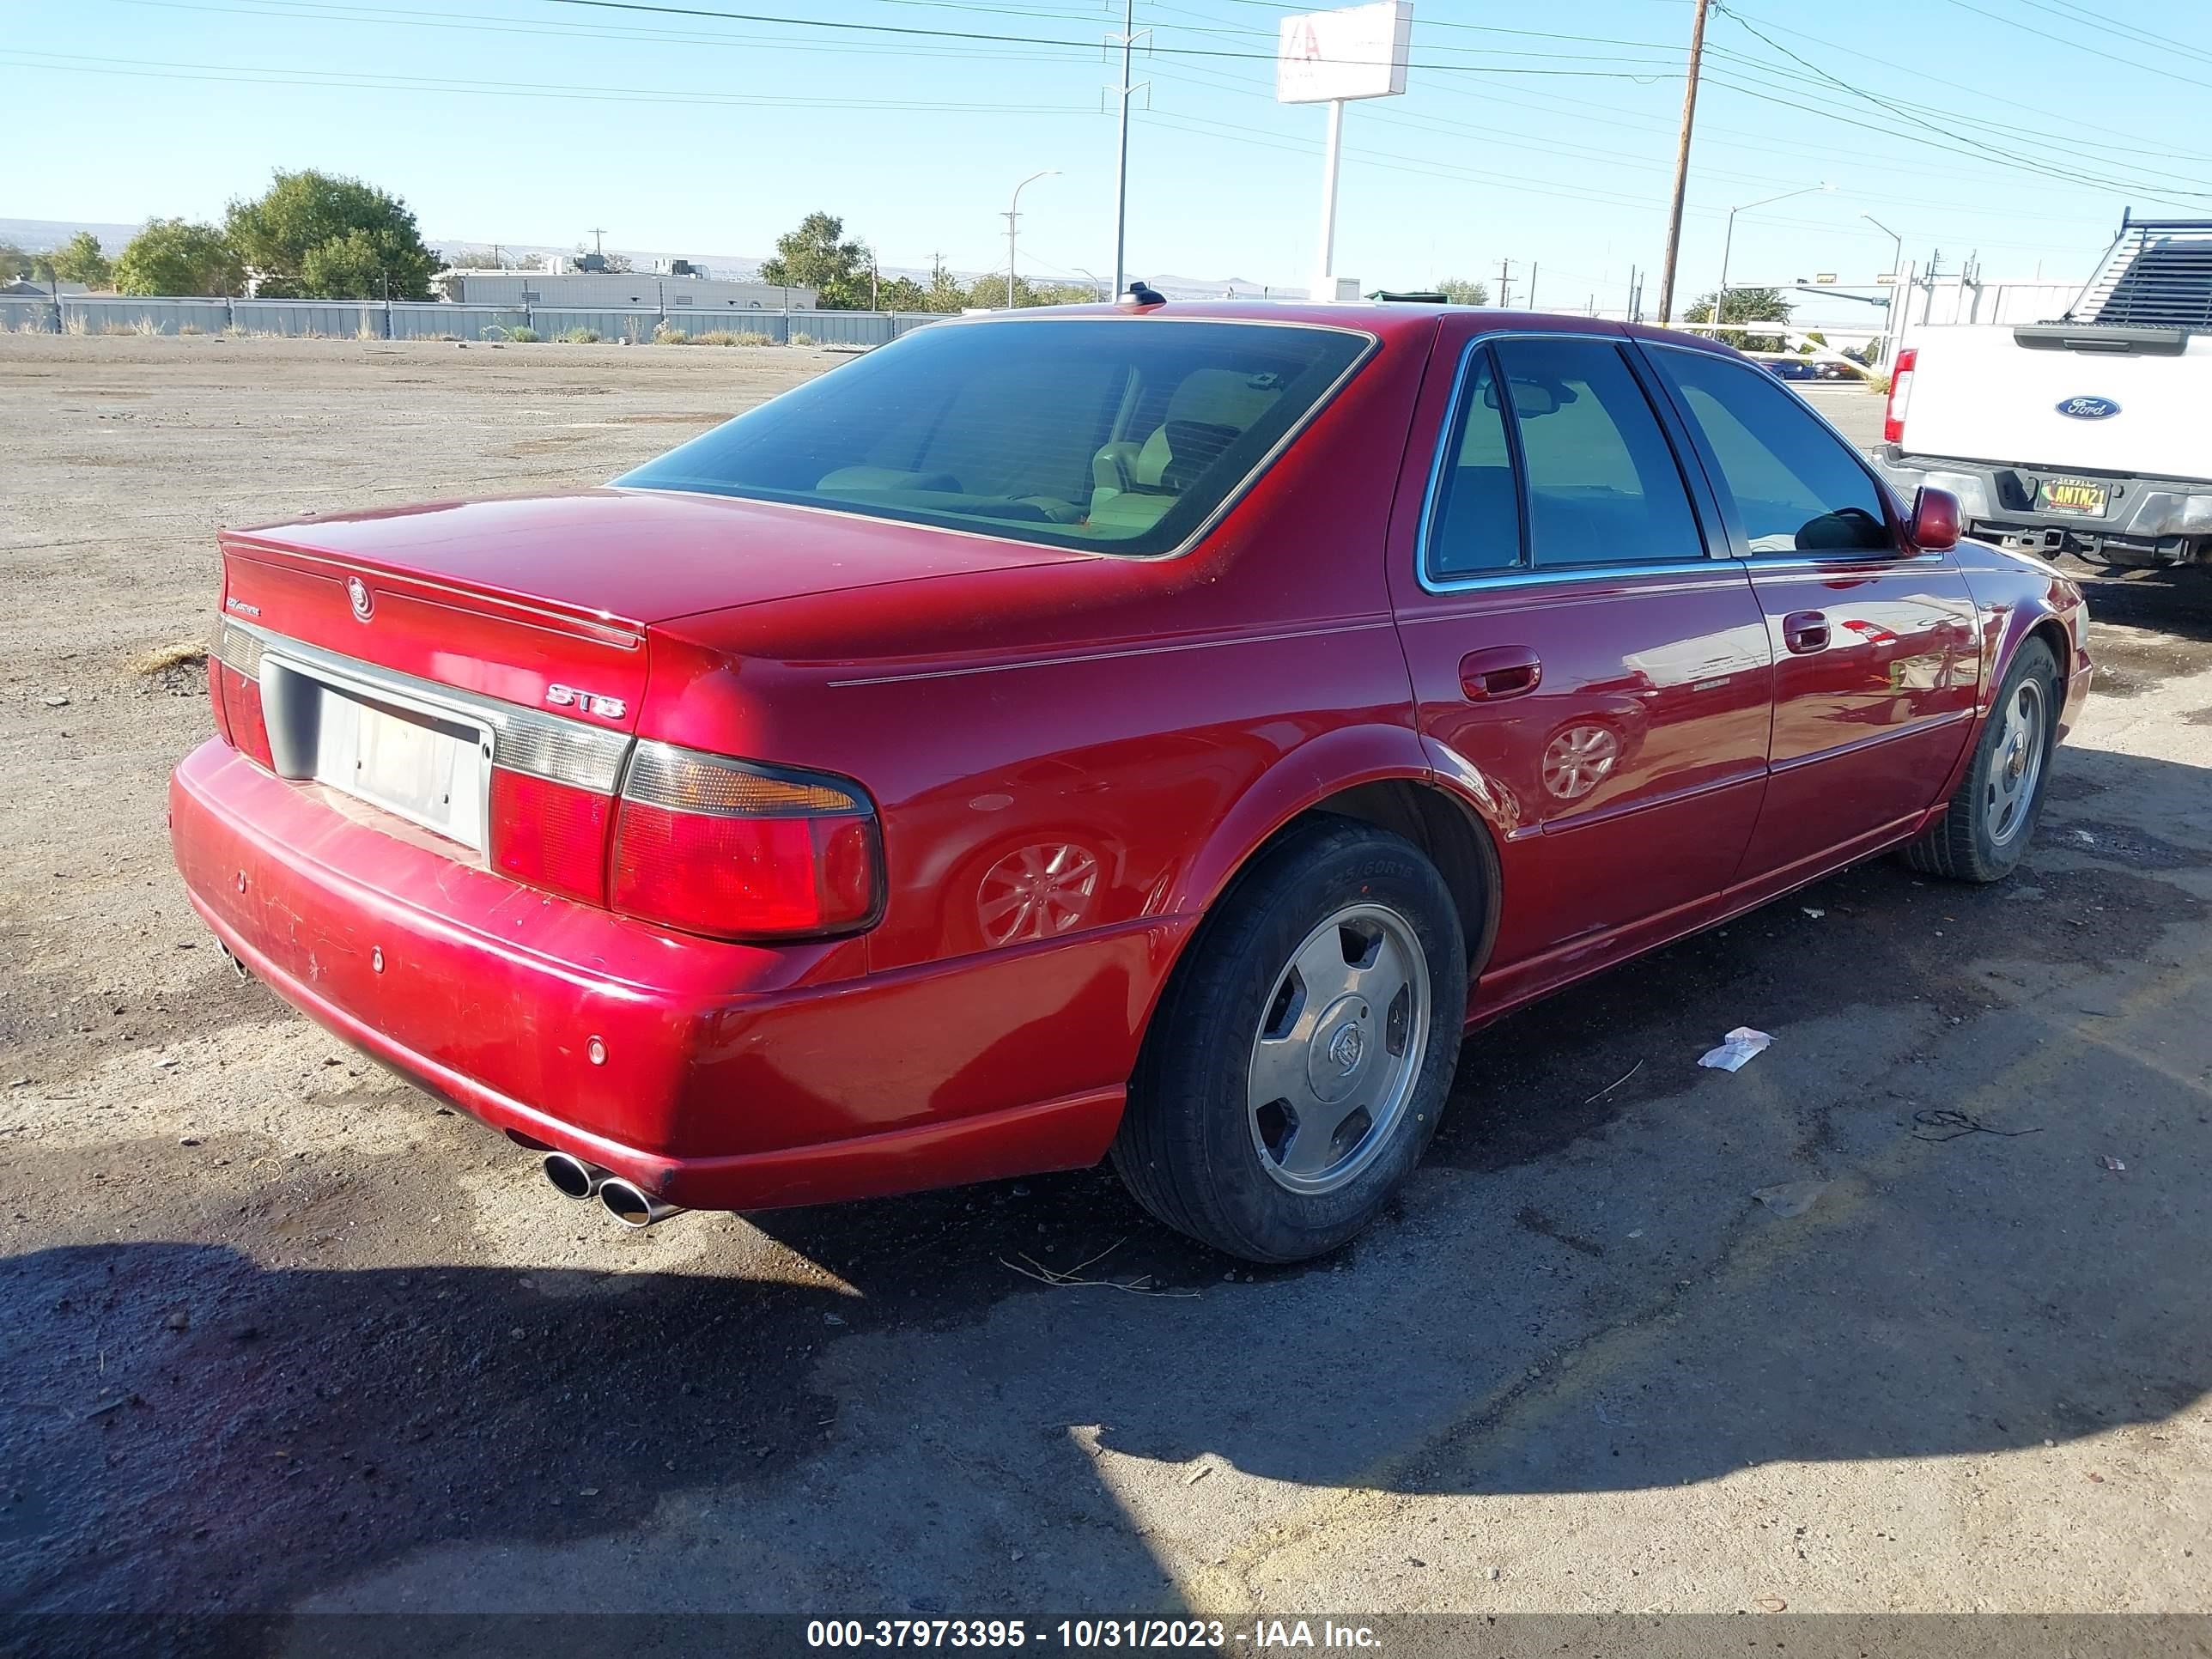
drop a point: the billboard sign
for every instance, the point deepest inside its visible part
(1322, 57)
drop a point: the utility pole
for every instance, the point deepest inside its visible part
(1505, 284)
(1127, 41)
(1681, 167)
(1531, 301)
(597, 246)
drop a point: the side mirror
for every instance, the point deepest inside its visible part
(1935, 520)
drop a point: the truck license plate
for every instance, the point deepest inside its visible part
(2073, 495)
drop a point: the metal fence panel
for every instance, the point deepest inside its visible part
(374, 319)
(113, 314)
(344, 319)
(29, 316)
(429, 320)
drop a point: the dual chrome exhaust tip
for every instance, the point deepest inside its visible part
(625, 1201)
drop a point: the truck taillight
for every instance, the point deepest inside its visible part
(234, 688)
(1900, 394)
(740, 850)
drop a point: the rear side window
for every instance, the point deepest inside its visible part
(1475, 522)
(1794, 484)
(1113, 435)
(1601, 481)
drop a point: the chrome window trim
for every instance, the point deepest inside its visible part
(523, 739)
(1759, 563)
(1206, 526)
(1517, 575)
(1701, 567)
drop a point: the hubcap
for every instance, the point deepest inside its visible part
(2018, 765)
(1338, 1048)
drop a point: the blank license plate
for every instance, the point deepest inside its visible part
(427, 771)
(2073, 495)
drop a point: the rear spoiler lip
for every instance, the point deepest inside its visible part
(2118, 339)
(530, 610)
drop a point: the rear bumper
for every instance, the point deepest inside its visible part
(733, 1077)
(2148, 516)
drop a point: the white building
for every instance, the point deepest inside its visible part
(601, 290)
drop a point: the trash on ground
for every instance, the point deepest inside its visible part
(1954, 1124)
(1737, 1047)
(1810, 911)
(2113, 1164)
(1791, 1198)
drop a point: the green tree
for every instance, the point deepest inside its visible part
(944, 291)
(80, 259)
(1461, 292)
(172, 256)
(1745, 305)
(379, 250)
(815, 256)
(13, 263)
(901, 294)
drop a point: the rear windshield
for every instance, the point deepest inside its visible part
(1118, 436)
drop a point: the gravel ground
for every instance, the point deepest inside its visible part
(282, 1334)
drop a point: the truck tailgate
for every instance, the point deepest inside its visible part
(1978, 394)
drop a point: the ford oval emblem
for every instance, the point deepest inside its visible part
(2088, 409)
(359, 598)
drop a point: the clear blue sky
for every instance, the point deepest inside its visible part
(2018, 129)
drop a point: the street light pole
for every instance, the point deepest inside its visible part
(1896, 266)
(1727, 242)
(1013, 211)
(1096, 282)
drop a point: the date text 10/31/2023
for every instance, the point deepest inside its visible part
(1081, 1635)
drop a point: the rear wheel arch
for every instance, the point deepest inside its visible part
(1448, 831)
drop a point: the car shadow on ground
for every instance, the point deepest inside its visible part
(1576, 1295)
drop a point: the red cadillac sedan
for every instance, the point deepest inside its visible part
(1156, 731)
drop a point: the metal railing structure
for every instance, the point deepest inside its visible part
(1802, 347)
(410, 320)
(2157, 274)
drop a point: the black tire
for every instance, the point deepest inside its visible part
(1962, 845)
(1186, 1148)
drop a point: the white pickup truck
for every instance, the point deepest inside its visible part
(2091, 434)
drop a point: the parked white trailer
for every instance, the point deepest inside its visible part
(2091, 434)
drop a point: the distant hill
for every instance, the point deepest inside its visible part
(37, 235)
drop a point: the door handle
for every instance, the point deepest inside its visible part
(1805, 631)
(1500, 672)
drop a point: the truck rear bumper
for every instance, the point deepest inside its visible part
(2168, 518)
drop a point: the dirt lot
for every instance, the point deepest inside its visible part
(277, 1333)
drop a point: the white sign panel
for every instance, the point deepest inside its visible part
(1358, 52)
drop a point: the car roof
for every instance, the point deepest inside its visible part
(1387, 319)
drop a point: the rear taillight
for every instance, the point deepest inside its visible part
(550, 834)
(234, 688)
(739, 850)
(1900, 394)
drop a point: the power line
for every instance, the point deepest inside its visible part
(252, 75)
(1045, 40)
(2080, 45)
(2009, 101)
(1902, 111)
